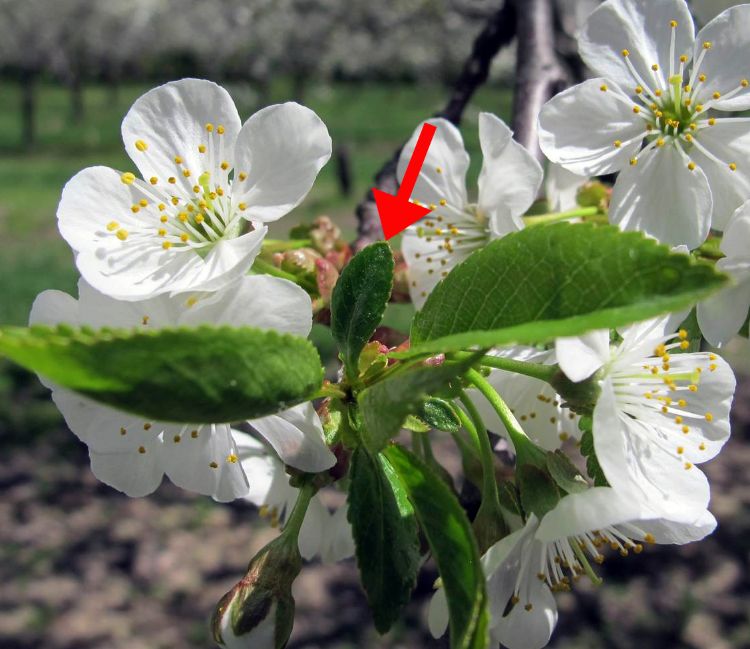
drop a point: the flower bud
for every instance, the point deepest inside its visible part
(594, 194)
(258, 612)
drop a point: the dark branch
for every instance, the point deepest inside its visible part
(539, 71)
(496, 34)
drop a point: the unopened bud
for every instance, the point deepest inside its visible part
(594, 194)
(258, 613)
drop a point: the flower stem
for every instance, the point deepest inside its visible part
(526, 451)
(279, 245)
(267, 268)
(475, 426)
(296, 518)
(554, 217)
(534, 370)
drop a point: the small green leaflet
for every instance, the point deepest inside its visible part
(359, 300)
(200, 375)
(453, 547)
(386, 536)
(558, 280)
(386, 404)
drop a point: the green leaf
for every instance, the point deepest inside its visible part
(453, 546)
(359, 300)
(386, 404)
(565, 474)
(201, 375)
(440, 416)
(557, 280)
(593, 468)
(386, 536)
(539, 493)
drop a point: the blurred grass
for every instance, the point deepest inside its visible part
(371, 120)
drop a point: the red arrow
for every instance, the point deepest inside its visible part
(396, 212)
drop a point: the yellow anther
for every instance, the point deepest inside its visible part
(707, 45)
(712, 357)
(678, 419)
(636, 109)
(691, 166)
(178, 160)
(172, 180)
(141, 145)
(699, 107)
(141, 449)
(186, 173)
(112, 226)
(682, 403)
(242, 175)
(617, 144)
(146, 426)
(224, 165)
(712, 367)
(660, 142)
(162, 207)
(162, 232)
(182, 216)
(688, 466)
(175, 200)
(701, 77)
(529, 606)
(625, 53)
(201, 148)
(687, 88)
(122, 235)
(732, 166)
(683, 58)
(232, 458)
(658, 113)
(128, 178)
(692, 387)
(649, 538)
(693, 126)
(163, 218)
(176, 439)
(673, 23)
(688, 137)
(242, 206)
(166, 245)
(143, 202)
(220, 129)
(194, 434)
(123, 431)
(702, 446)
(199, 218)
(633, 162)
(745, 83)
(638, 90)
(210, 127)
(153, 180)
(213, 465)
(680, 450)
(655, 67)
(709, 417)
(184, 238)
(197, 189)
(443, 202)
(603, 87)
(716, 95)
(564, 437)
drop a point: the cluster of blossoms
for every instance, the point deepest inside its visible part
(185, 245)
(660, 114)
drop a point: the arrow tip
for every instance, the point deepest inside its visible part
(396, 213)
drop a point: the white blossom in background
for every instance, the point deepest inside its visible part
(131, 453)
(525, 568)
(722, 315)
(707, 10)
(205, 178)
(660, 412)
(561, 188)
(534, 402)
(323, 534)
(656, 115)
(456, 227)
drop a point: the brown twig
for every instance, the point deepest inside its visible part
(496, 34)
(540, 72)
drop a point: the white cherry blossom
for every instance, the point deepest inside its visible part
(660, 412)
(657, 114)
(525, 568)
(323, 534)
(132, 454)
(722, 315)
(456, 227)
(206, 179)
(534, 402)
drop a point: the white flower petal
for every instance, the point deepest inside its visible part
(635, 464)
(679, 533)
(579, 127)
(510, 176)
(313, 528)
(643, 28)
(737, 234)
(297, 436)
(722, 315)
(725, 63)
(135, 476)
(561, 188)
(281, 148)
(446, 154)
(338, 542)
(53, 307)
(728, 141)
(437, 614)
(663, 198)
(256, 301)
(579, 357)
(171, 121)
